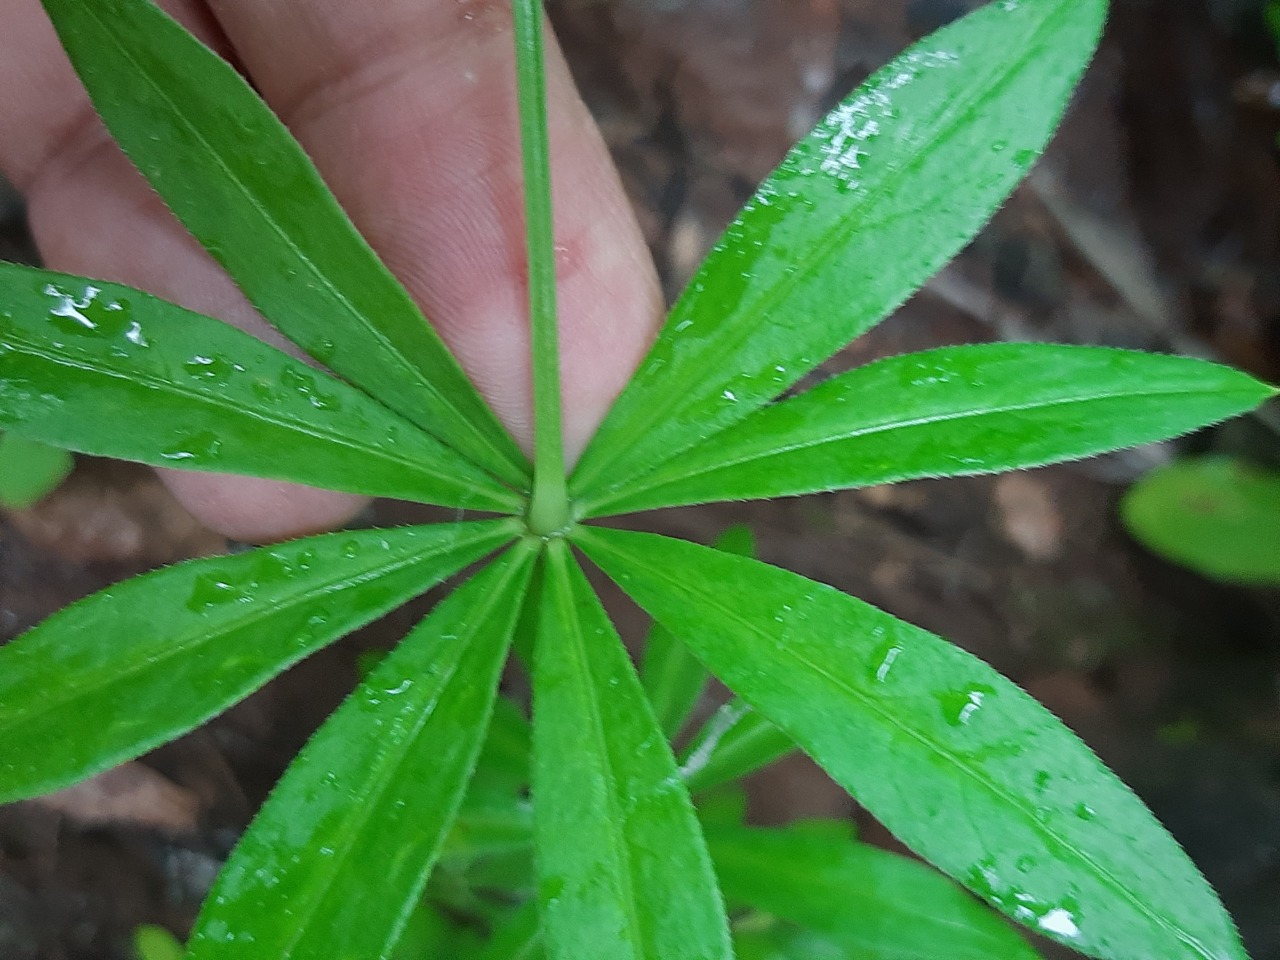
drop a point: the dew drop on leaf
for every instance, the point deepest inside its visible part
(960, 706)
(202, 447)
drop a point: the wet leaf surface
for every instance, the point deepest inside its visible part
(958, 762)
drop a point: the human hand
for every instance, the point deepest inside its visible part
(408, 109)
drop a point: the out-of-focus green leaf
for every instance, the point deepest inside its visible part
(1216, 515)
(236, 178)
(623, 870)
(488, 825)
(136, 665)
(888, 188)
(29, 471)
(339, 854)
(156, 943)
(428, 933)
(736, 741)
(957, 761)
(876, 904)
(728, 804)
(110, 370)
(672, 677)
(948, 412)
(773, 940)
(504, 760)
(520, 938)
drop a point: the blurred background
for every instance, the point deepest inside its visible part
(1153, 221)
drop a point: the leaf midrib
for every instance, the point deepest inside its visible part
(224, 402)
(1012, 800)
(388, 768)
(181, 646)
(659, 483)
(828, 246)
(585, 681)
(324, 281)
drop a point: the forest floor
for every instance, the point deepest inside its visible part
(1153, 221)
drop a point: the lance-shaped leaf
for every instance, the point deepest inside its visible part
(957, 761)
(623, 872)
(736, 741)
(368, 802)
(947, 412)
(142, 662)
(672, 677)
(877, 905)
(110, 370)
(888, 188)
(245, 189)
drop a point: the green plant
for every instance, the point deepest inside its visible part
(967, 769)
(1217, 515)
(156, 943)
(29, 470)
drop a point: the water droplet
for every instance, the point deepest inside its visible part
(217, 369)
(1059, 921)
(1085, 812)
(729, 395)
(323, 350)
(202, 447)
(219, 589)
(304, 384)
(1024, 158)
(960, 706)
(351, 549)
(91, 314)
(885, 658)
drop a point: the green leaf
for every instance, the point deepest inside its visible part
(428, 933)
(885, 191)
(29, 471)
(490, 824)
(876, 904)
(1217, 515)
(245, 189)
(140, 663)
(736, 741)
(766, 939)
(504, 759)
(958, 762)
(672, 677)
(109, 370)
(156, 943)
(623, 870)
(520, 938)
(948, 412)
(366, 805)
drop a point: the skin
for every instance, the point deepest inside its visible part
(408, 109)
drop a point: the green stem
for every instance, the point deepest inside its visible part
(549, 507)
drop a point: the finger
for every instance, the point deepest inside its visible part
(408, 107)
(92, 214)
